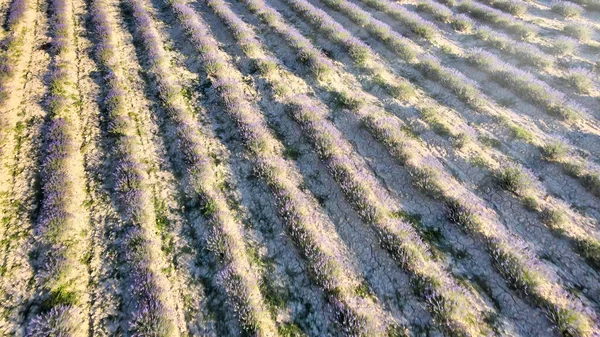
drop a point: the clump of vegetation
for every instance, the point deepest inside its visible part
(566, 9)
(462, 23)
(554, 150)
(553, 217)
(578, 31)
(514, 7)
(514, 178)
(438, 11)
(581, 80)
(564, 45)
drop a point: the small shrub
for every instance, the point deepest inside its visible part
(60, 321)
(426, 179)
(462, 23)
(578, 31)
(581, 80)
(553, 217)
(531, 203)
(566, 9)
(489, 141)
(348, 100)
(521, 133)
(290, 330)
(554, 150)
(592, 182)
(514, 178)
(460, 140)
(514, 7)
(439, 12)
(564, 45)
(462, 214)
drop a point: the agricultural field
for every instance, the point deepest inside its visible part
(299, 168)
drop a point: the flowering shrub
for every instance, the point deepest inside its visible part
(61, 320)
(414, 22)
(514, 7)
(515, 178)
(62, 218)
(462, 23)
(563, 45)
(578, 31)
(581, 80)
(566, 9)
(438, 11)
(526, 52)
(463, 87)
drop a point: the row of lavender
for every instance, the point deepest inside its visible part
(63, 225)
(502, 249)
(447, 301)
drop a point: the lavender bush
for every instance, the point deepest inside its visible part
(514, 7)
(62, 320)
(566, 9)
(62, 220)
(581, 80)
(414, 22)
(438, 11)
(563, 45)
(578, 31)
(462, 23)
(150, 316)
(361, 53)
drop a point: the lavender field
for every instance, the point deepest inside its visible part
(299, 168)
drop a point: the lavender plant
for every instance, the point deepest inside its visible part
(563, 45)
(566, 9)
(12, 45)
(414, 22)
(438, 11)
(526, 52)
(581, 80)
(462, 23)
(589, 4)
(578, 31)
(466, 89)
(361, 53)
(62, 320)
(514, 7)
